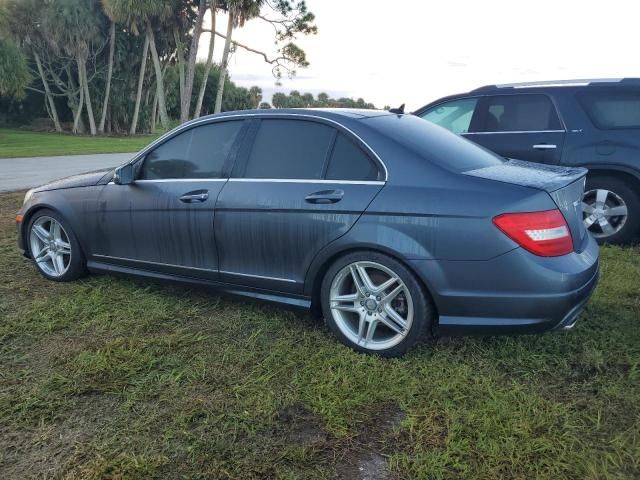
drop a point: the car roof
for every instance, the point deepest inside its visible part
(329, 113)
(532, 87)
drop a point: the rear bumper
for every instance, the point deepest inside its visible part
(517, 292)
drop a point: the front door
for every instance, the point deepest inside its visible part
(301, 185)
(164, 221)
(522, 126)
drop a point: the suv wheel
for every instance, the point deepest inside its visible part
(374, 304)
(611, 210)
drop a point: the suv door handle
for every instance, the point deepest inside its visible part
(195, 196)
(545, 146)
(325, 196)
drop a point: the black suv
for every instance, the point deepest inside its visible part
(589, 123)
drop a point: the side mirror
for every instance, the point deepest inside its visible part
(124, 175)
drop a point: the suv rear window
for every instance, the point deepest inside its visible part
(609, 110)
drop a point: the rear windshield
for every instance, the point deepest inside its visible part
(434, 143)
(613, 109)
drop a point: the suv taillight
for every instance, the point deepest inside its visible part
(542, 233)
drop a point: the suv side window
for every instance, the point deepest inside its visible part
(455, 116)
(349, 162)
(200, 152)
(289, 149)
(518, 113)
(612, 109)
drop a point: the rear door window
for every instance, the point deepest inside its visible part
(349, 162)
(200, 152)
(612, 109)
(289, 149)
(455, 116)
(518, 113)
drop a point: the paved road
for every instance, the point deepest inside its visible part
(24, 173)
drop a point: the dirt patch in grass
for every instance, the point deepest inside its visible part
(48, 450)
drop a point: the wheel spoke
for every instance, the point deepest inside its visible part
(357, 281)
(42, 255)
(601, 197)
(54, 230)
(41, 233)
(394, 320)
(605, 226)
(362, 327)
(366, 281)
(586, 208)
(393, 294)
(385, 285)
(616, 211)
(371, 331)
(590, 220)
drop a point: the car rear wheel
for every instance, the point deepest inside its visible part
(611, 210)
(54, 247)
(374, 304)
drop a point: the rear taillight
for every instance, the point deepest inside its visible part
(542, 233)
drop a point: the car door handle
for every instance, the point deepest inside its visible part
(195, 196)
(545, 146)
(325, 196)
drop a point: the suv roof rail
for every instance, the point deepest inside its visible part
(562, 83)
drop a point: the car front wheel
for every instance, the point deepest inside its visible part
(611, 210)
(374, 304)
(54, 247)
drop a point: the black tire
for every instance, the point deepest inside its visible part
(625, 191)
(423, 312)
(77, 264)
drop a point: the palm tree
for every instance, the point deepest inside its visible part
(107, 90)
(238, 11)
(213, 5)
(72, 26)
(137, 15)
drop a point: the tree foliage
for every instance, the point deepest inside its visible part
(296, 100)
(14, 72)
(86, 63)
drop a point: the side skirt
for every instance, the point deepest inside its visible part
(295, 301)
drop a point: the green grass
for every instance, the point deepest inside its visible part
(23, 143)
(115, 378)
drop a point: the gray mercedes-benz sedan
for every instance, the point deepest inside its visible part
(390, 226)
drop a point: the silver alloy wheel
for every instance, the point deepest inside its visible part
(371, 305)
(604, 213)
(50, 246)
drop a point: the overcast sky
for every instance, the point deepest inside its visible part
(415, 51)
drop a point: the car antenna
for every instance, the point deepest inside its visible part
(399, 110)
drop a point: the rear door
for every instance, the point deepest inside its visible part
(299, 185)
(520, 126)
(164, 221)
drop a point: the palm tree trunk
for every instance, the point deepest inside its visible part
(225, 60)
(78, 114)
(162, 103)
(154, 112)
(105, 103)
(180, 58)
(207, 67)
(143, 66)
(84, 83)
(185, 100)
(49, 97)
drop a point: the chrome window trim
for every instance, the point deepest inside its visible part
(514, 131)
(302, 180)
(164, 180)
(264, 277)
(194, 123)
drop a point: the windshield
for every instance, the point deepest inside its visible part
(434, 143)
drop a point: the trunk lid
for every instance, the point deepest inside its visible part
(565, 185)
